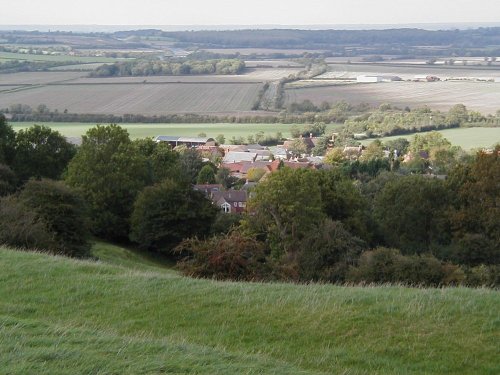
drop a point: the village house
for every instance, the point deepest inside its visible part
(208, 189)
(230, 201)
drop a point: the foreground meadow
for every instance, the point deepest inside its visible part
(128, 314)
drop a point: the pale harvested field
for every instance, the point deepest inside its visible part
(408, 72)
(271, 74)
(139, 99)
(7, 88)
(261, 51)
(80, 67)
(272, 63)
(36, 78)
(480, 96)
(169, 79)
(252, 75)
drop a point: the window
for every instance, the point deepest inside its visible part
(226, 207)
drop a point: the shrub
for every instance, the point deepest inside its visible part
(64, 213)
(326, 254)
(8, 180)
(21, 227)
(167, 213)
(377, 266)
(384, 265)
(226, 257)
(415, 270)
(483, 275)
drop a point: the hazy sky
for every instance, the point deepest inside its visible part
(248, 12)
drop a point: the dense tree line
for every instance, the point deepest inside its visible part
(169, 67)
(393, 41)
(17, 66)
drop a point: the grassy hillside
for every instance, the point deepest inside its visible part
(62, 316)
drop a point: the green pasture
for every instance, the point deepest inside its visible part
(467, 138)
(63, 316)
(187, 130)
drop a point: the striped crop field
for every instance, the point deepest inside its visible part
(139, 98)
(480, 96)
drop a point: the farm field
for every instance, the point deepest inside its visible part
(273, 63)
(185, 130)
(59, 315)
(139, 99)
(467, 138)
(57, 58)
(79, 67)
(261, 51)
(479, 96)
(409, 72)
(37, 78)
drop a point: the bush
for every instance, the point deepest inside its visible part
(21, 227)
(63, 212)
(167, 213)
(225, 257)
(384, 265)
(327, 253)
(484, 276)
(8, 180)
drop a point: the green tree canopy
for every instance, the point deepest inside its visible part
(286, 206)
(109, 171)
(41, 152)
(167, 213)
(7, 141)
(206, 175)
(64, 213)
(411, 212)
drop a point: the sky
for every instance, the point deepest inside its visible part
(248, 12)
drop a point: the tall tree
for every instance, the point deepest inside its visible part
(285, 207)
(41, 152)
(411, 212)
(110, 172)
(167, 213)
(7, 141)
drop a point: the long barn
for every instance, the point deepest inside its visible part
(188, 141)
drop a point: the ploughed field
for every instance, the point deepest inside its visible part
(127, 315)
(147, 99)
(480, 96)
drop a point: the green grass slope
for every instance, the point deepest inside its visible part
(62, 316)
